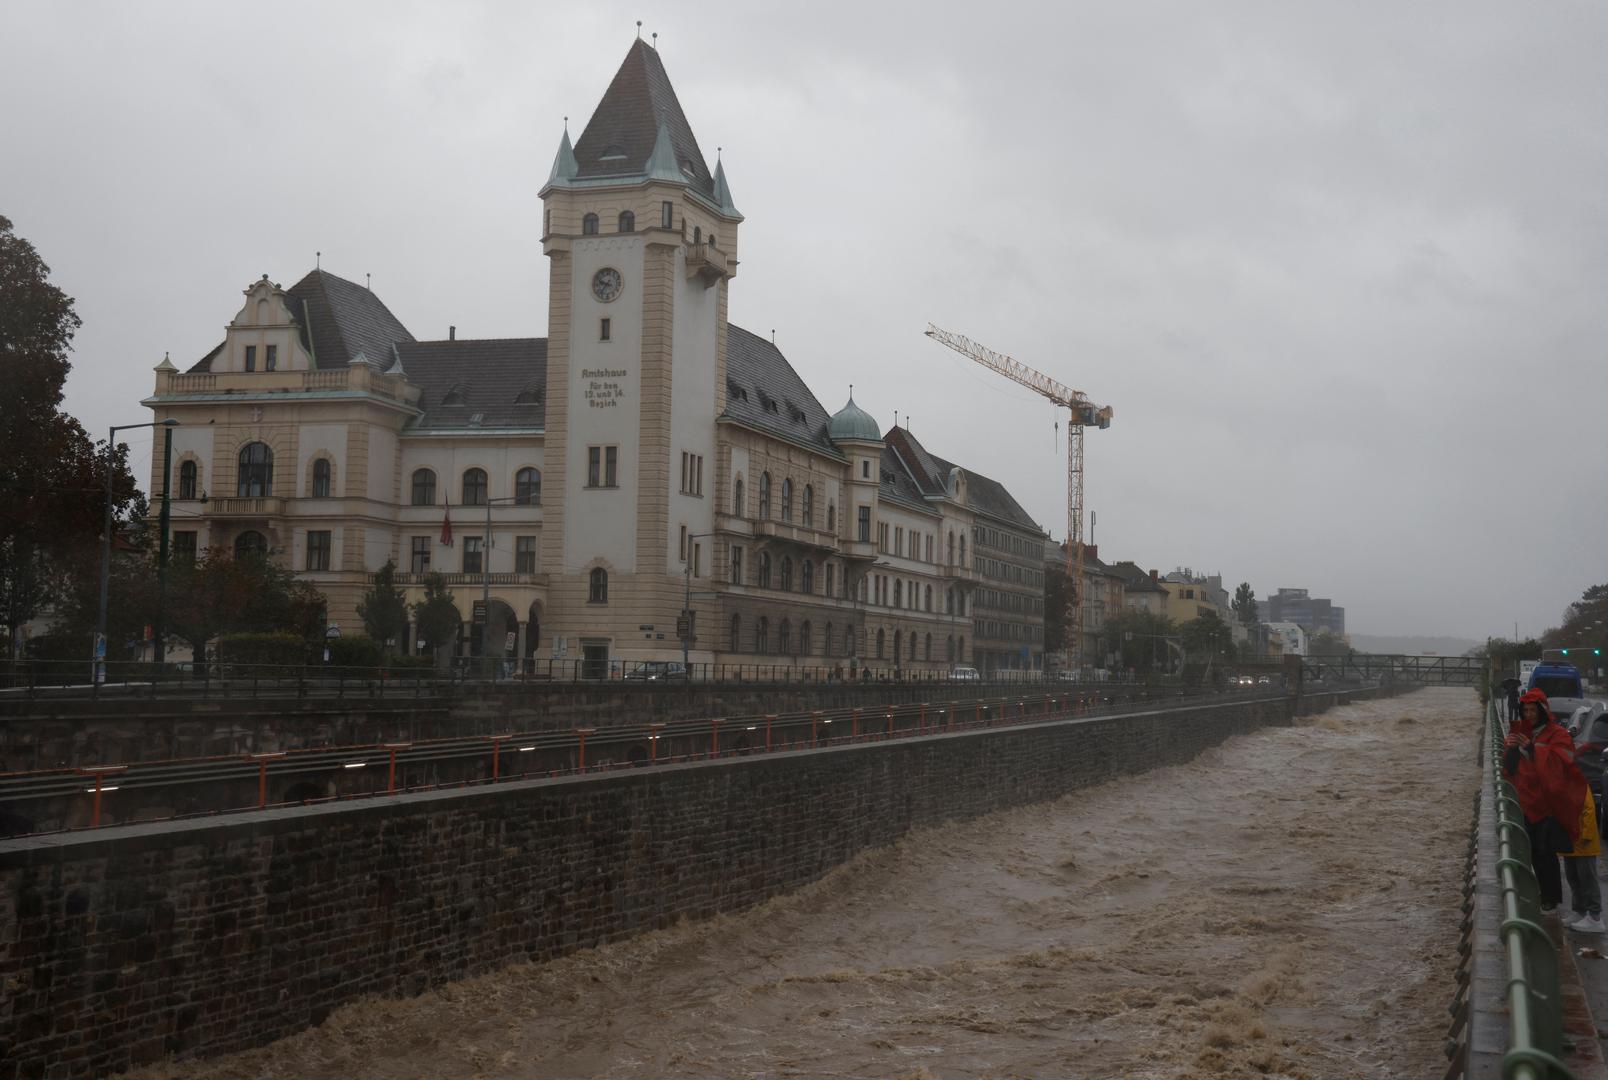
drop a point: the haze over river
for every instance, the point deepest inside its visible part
(1286, 905)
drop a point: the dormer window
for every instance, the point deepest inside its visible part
(270, 357)
(735, 392)
(251, 358)
(667, 213)
(531, 395)
(613, 153)
(455, 396)
(589, 225)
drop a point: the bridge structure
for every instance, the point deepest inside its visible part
(1395, 667)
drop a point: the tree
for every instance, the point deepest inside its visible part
(220, 593)
(383, 609)
(52, 475)
(1057, 608)
(1208, 636)
(436, 615)
(1139, 640)
(1244, 604)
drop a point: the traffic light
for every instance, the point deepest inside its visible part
(1597, 651)
(1566, 652)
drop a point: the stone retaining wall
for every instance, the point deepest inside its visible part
(126, 945)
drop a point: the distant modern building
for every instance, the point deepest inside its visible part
(1311, 613)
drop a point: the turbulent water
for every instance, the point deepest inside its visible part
(1286, 905)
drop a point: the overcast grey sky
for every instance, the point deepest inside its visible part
(1338, 267)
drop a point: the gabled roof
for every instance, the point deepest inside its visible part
(1137, 580)
(490, 375)
(344, 320)
(763, 391)
(898, 485)
(983, 494)
(619, 139)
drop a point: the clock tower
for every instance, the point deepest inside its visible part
(642, 240)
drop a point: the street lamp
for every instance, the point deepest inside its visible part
(97, 656)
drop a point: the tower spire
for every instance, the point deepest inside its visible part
(564, 164)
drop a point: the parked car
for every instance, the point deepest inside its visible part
(1589, 726)
(658, 671)
(1562, 686)
(963, 673)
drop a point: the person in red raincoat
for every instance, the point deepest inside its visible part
(1538, 759)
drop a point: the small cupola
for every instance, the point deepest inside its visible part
(853, 424)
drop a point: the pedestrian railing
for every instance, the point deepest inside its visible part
(1534, 994)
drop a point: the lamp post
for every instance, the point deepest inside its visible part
(485, 575)
(97, 654)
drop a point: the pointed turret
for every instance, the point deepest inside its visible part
(722, 193)
(662, 164)
(564, 164)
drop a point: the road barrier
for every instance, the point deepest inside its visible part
(1534, 993)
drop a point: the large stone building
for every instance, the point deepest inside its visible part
(644, 456)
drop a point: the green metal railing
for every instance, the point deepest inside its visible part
(1535, 1000)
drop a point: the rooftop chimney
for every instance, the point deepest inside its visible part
(1152, 575)
(452, 333)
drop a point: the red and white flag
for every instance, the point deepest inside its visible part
(446, 524)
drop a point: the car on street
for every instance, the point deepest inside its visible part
(658, 671)
(1562, 686)
(962, 673)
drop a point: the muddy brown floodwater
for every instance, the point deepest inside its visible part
(1286, 905)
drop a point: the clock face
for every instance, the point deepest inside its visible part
(606, 284)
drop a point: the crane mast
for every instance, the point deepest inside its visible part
(1084, 414)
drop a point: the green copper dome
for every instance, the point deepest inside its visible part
(852, 422)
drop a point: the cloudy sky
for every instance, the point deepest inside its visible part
(1338, 267)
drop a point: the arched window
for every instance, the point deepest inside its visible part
(949, 601)
(898, 643)
(960, 650)
(187, 484)
(787, 573)
(881, 644)
(764, 569)
(762, 636)
(951, 648)
(589, 225)
(697, 238)
(928, 655)
(764, 496)
(831, 517)
(321, 484)
(911, 654)
(848, 640)
(423, 487)
(736, 633)
(826, 642)
(252, 543)
(474, 487)
(598, 586)
(963, 549)
(806, 577)
(898, 594)
(809, 507)
(929, 597)
(528, 487)
(627, 221)
(737, 507)
(830, 574)
(960, 603)
(951, 559)
(804, 639)
(256, 478)
(784, 638)
(787, 499)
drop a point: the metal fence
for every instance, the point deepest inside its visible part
(1534, 995)
(409, 678)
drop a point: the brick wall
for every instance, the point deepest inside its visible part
(124, 946)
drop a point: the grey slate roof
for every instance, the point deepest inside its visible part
(338, 320)
(897, 483)
(345, 320)
(983, 494)
(763, 391)
(1136, 579)
(618, 140)
(489, 375)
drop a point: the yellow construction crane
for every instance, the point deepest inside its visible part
(1084, 414)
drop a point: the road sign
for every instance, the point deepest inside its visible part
(508, 645)
(100, 646)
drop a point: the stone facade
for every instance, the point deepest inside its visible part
(581, 490)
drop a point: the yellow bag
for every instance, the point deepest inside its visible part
(1590, 843)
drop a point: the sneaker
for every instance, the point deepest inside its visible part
(1591, 924)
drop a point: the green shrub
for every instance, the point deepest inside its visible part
(278, 649)
(354, 651)
(411, 666)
